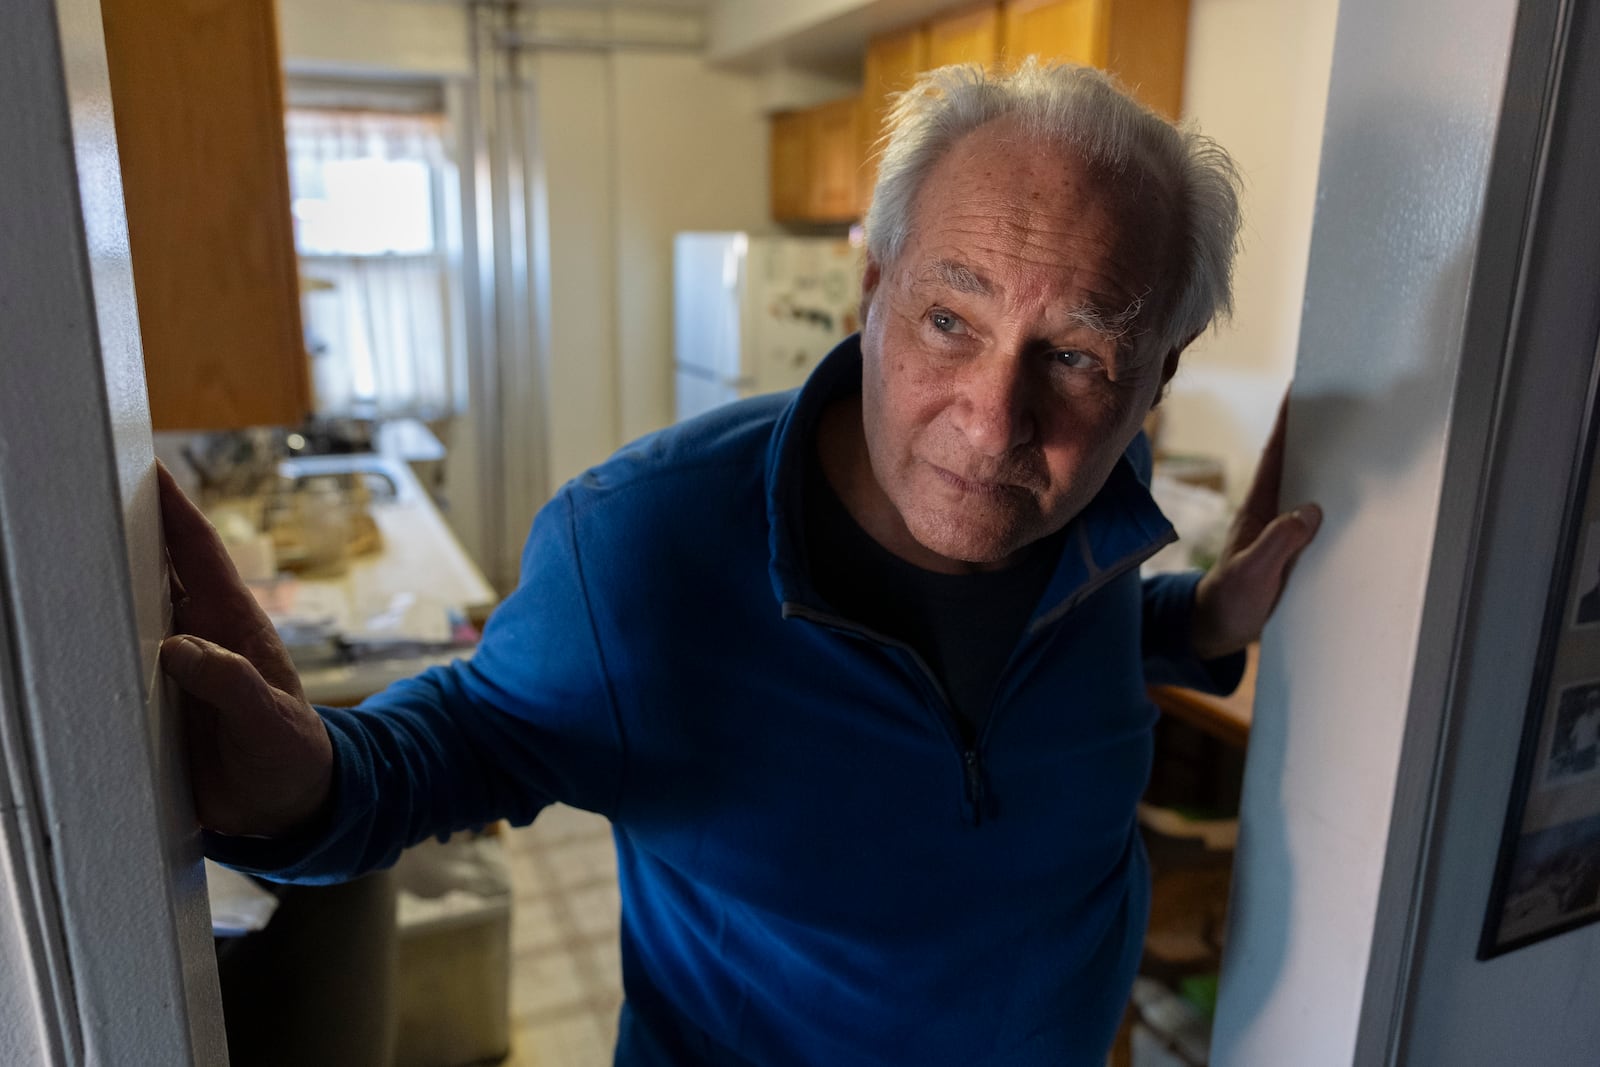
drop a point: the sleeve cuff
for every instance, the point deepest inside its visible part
(293, 857)
(1168, 652)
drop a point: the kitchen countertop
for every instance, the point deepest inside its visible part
(420, 568)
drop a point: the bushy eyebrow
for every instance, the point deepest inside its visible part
(1094, 316)
(958, 276)
(1115, 326)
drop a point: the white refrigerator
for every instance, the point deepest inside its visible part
(756, 314)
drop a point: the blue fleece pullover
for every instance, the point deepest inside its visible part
(814, 868)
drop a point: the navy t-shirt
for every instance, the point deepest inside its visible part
(964, 626)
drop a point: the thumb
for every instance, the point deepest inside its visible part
(211, 673)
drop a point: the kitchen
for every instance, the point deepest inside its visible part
(639, 122)
(633, 149)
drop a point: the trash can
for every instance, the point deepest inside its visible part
(453, 960)
(317, 984)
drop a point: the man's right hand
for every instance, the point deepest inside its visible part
(260, 760)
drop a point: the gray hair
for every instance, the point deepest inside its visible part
(1084, 109)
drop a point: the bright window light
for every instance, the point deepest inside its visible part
(363, 207)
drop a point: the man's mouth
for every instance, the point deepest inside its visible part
(988, 489)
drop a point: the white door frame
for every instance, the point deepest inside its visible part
(1381, 753)
(102, 894)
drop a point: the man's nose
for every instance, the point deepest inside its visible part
(994, 412)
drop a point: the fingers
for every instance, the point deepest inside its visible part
(260, 760)
(209, 600)
(1261, 502)
(1279, 544)
(223, 679)
(176, 593)
(213, 601)
(196, 550)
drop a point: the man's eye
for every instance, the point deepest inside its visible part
(1075, 359)
(943, 321)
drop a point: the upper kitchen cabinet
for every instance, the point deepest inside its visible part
(969, 35)
(1142, 42)
(791, 176)
(815, 159)
(835, 159)
(892, 65)
(197, 94)
(1057, 29)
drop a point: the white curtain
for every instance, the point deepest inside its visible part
(367, 205)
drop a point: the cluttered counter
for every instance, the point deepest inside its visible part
(395, 593)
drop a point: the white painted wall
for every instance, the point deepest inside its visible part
(1412, 118)
(381, 37)
(691, 155)
(634, 146)
(738, 27)
(577, 279)
(1256, 81)
(819, 34)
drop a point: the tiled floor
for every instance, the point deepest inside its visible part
(566, 977)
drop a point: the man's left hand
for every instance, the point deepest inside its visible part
(1236, 597)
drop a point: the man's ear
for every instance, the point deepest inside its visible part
(1169, 367)
(870, 277)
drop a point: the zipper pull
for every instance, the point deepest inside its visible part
(975, 791)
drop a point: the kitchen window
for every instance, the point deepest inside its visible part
(368, 205)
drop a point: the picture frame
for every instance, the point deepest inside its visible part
(1547, 872)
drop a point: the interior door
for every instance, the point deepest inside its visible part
(1456, 224)
(105, 943)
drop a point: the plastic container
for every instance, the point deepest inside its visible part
(454, 955)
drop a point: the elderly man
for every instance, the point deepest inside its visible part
(857, 673)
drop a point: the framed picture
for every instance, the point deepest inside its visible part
(1547, 877)
(1586, 606)
(1554, 883)
(1574, 747)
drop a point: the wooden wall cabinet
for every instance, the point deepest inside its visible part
(790, 164)
(1071, 30)
(892, 65)
(835, 159)
(815, 157)
(972, 35)
(1142, 42)
(197, 94)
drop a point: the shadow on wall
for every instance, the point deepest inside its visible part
(1374, 380)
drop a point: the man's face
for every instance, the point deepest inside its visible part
(1003, 378)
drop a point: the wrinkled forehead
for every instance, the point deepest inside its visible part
(1062, 201)
(1133, 185)
(1129, 196)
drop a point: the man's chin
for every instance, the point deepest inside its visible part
(970, 547)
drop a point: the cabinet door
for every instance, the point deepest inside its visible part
(1069, 30)
(892, 65)
(1147, 41)
(834, 152)
(1142, 42)
(198, 104)
(790, 183)
(970, 36)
